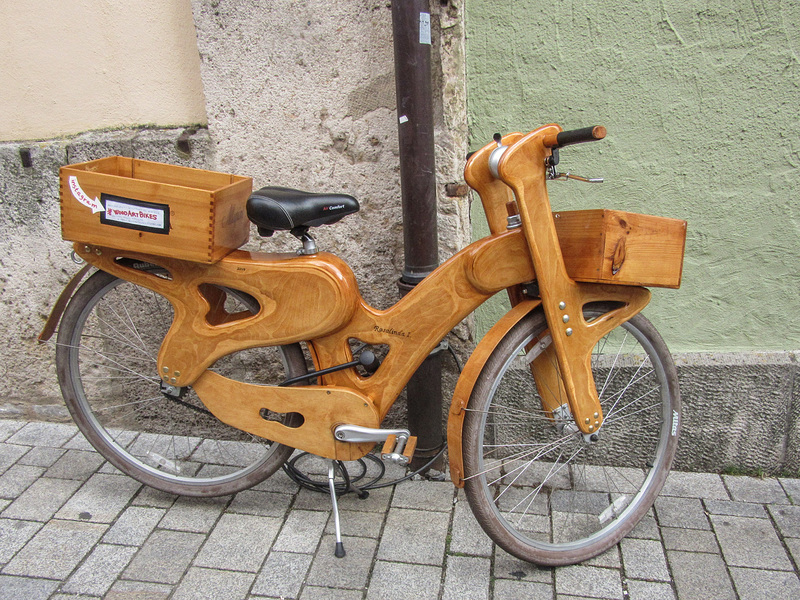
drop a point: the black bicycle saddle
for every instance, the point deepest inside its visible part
(283, 209)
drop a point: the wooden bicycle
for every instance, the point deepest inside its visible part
(197, 368)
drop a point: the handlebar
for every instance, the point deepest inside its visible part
(575, 136)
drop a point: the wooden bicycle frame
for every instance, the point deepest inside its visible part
(315, 299)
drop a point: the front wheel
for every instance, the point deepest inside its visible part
(542, 490)
(106, 357)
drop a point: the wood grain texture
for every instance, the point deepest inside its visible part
(494, 194)
(207, 216)
(522, 167)
(300, 298)
(323, 408)
(611, 246)
(417, 323)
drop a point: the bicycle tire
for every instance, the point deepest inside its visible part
(556, 498)
(106, 353)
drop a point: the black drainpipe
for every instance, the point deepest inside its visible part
(411, 26)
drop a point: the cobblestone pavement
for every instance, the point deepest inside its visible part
(72, 526)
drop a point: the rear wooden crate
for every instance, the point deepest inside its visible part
(204, 211)
(610, 246)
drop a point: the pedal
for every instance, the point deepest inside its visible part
(398, 447)
(399, 450)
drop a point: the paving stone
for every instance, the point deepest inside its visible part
(194, 514)
(9, 454)
(397, 581)
(25, 588)
(3, 503)
(753, 489)
(100, 499)
(649, 590)
(610, 558)
(644, 559)
(100, 570)
(750, 543)
(377, 501)
(507, 566)
(794, 549)
(592, 582)
(201, 584)
(700, 576)
(695, 485)
(349, 572)
(164, 557)
(263, 504)
(282, 575)
(279, 482)
(17, 479)
(357, 523)
(108, 469)
(301, 532)
(736, 509)
(138, 590)
(787, 519)
(466, 535)
(148, 496)
(466, 578)
(792, 489)
(755, 584)
(506, 589)
(239, 543)
(9, 427)
(41, 457)
(53, 435)
(687, 513)
(691, 540)
(55, 550)
(647, 528)
(14, 534)
(79, 442)
(414, 535)
(42, 499)
(133, 526)
(424, 495)
(322, 593)
(308, 500)
(76, 464)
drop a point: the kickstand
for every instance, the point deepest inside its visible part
(339, 545)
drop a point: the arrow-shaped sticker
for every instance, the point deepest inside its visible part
(81, 196)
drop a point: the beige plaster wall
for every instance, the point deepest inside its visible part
(73, 65)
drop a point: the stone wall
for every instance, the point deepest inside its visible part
(36, 263)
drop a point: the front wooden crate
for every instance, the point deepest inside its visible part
(610, 246)
(154, 208)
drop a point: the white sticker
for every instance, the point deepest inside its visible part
(675, 419)
(135, 214)
(425, 28)
(403, 119)
(81, 196)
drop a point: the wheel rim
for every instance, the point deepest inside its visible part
(556, 492)
(174, 441)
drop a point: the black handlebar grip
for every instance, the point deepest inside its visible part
(576, 136)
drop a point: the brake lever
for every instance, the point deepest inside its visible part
(552, 175)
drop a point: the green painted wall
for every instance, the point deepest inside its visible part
(702, 105)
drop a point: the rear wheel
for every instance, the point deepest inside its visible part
(107, 347)
(542, 490)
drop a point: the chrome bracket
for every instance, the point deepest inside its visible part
(356, 434)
